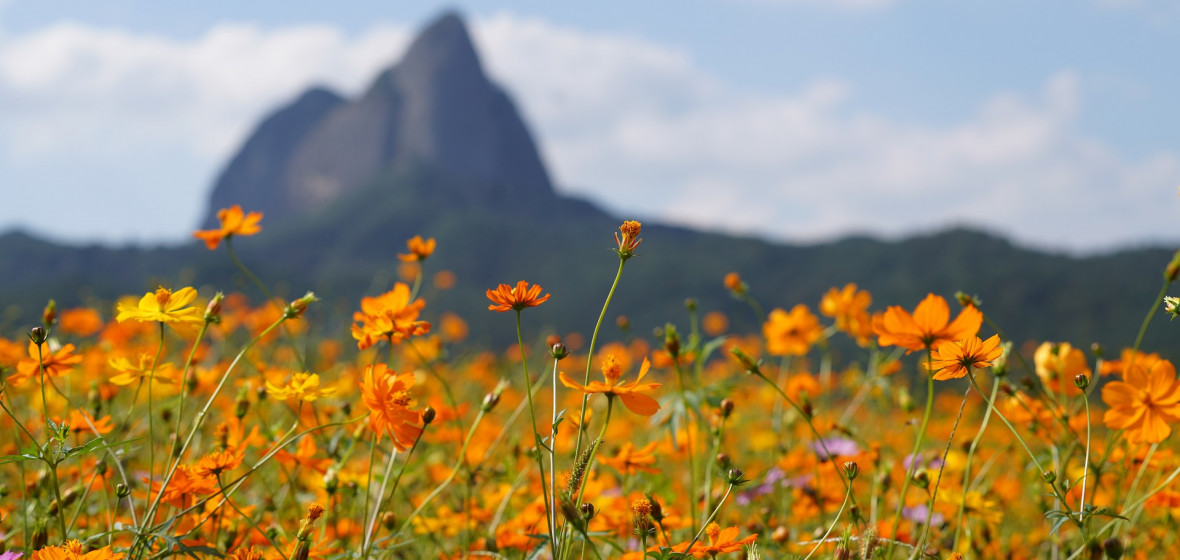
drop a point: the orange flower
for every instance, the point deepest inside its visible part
(419, 250)
(505, 297)
(927, 326)
(56, 363)
(720, 541)
(629, 460)
(1145, 403)
(849, 307)
(791, 334)
(81, 321)
(630, 393)
(389, 402)
(630, 239)
(733, 283)
(233, 222)
(952, 360)
(218, 462)
(389, 316)
(74, 550)
(1058, 365)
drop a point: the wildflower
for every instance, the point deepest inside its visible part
(629, 460)
(54, 363)
(247, 553)
(420, 250)
(302, 387)
(233, 222)
(389, 401)
(164, 306)
(505, 297)
(630, 240)
(733, 283)
(720, 541)
(1170, 306)
(630, 393)
(132, 372)
(791, 334)
(81, 321)
(390, 316)
(929, 324)
(74, 550)
(952, 360)
(1145, 403)
(218, 462)
(1057, 364)
(849, 307)
(304, 455)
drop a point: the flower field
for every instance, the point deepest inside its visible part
(190, 423)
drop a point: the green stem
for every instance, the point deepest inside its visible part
(967, 468)
(151, 439)
(528, 389)
(704, 525)
(1159, 298)
(249, 521)
(847, 495)
(454, 470)
(688, 436)
(590, 352)
(938, 479)
(909, 473)
(229, 248)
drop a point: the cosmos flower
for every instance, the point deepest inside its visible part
(632, 393)
(233, 222)
(506, 298)
(929, 324)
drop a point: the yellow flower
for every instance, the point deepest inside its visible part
(233, 222)
(420, 249)
(303, 386)
(130, 373)
(1058, 365)
(164, 306)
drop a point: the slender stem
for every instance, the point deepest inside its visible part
(938, 480)
(688, 436)
(454, 470)
(987, 414)
(1155, 305)
(184, 377)
(528, 389)
(249, 521)
(909, 473)
(51, 466)
(200, 418)
(590, 352)
(1086, 460)
(229, 248)
(151, 439)
(847, 494)
(369, 493)
(700, 532)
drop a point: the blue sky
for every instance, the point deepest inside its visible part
(1051, 122)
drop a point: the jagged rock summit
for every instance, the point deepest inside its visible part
(436, 108)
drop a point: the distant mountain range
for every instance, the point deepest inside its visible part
(435, 148)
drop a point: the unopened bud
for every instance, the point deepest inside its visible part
(1173, 269)
(49, 315)
(121, 490)
(967, 300)
(213, 310)
(1113, 548)
(1081, 381)
(587, 510)
(559, 351)
(388, 520)
(851, 469)
(38, 335)
(690, 304)
(490, 400)
(745, 360)
(671, 340)
(297, 307)
(428, 415)
(1049, 476)
(726, 408)
(921, 479)
(1097, 350)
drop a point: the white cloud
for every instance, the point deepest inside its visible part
(136, 126)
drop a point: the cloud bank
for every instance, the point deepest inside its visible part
(137, 126)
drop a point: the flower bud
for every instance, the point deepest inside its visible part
(297, 307)
(490, 400)
(1049, 476)
(921, 479)
(671, 340)
(428, 415)
(851, 469)
(1097, 350)
(966, 300)
(1113, 548)
(121, 490)
(38, 335)
(1173, 269)
(745, 360)
(213, 310)
(388, 520)
(1081, 381)
(559, 351)
(587, 511)
(690, 304)
(726, 408)
(49, 315)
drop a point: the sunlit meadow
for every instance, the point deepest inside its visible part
(199, 424)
